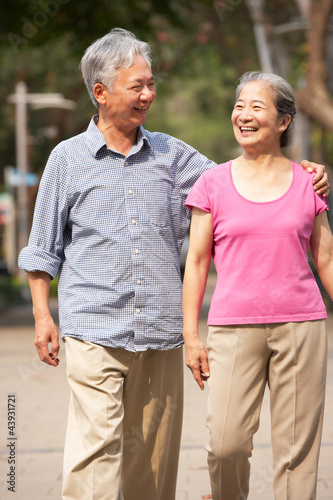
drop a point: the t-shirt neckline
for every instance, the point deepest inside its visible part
(262, 202)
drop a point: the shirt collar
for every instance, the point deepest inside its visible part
(96, 141)
(143, 139)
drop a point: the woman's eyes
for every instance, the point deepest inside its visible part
(239, 107)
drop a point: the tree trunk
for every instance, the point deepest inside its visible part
(314, 99)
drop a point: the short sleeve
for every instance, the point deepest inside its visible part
(321, 204)
(198, 196)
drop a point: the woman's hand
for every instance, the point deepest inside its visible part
(197, 361)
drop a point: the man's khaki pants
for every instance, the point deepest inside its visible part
(291, 357)
(124, 424)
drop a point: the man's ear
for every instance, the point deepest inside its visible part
(99, 91)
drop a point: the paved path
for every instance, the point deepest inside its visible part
(41, 401)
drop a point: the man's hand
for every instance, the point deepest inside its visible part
(320, 180)
(197, 361)
(46, 333)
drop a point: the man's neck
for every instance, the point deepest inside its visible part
(117, 139)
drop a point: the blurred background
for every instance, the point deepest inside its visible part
(200, 50)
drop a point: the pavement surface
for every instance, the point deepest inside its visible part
(33, 412)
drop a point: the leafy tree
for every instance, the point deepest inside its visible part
(201, 48)
(42, 42)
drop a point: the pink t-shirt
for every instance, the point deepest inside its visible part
(261, 250)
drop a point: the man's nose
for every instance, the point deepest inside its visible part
(147, 93)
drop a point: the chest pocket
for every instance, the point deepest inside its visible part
(158, 194)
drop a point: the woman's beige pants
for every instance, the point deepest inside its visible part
(124, 424)
(291, 357)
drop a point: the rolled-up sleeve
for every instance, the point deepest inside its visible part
(45, 249)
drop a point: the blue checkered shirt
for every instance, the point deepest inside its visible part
(113, 227)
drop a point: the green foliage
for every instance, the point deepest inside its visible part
(54, 288)
(201, 48)
(196, 106)
(11, 292)
(195, 92)
(34, 22)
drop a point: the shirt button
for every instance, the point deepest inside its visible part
(130, 191)
(126, 163)
(138, 282)
(137, 251)
(138, 310)
(133, 221)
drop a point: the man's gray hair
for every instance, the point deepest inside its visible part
(284, 97)
(104, 57)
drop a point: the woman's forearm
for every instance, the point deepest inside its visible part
(195, 280)
(196, 270)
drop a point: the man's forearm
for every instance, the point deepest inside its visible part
(46, 332)
(39, 283)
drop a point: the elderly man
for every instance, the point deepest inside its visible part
(110, 218)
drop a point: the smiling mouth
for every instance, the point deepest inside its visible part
(141, 108)
(247, 129)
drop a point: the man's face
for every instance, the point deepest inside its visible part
(133, 92)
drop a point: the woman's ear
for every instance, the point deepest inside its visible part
(285, 123)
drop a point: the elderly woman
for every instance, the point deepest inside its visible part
(258, 216)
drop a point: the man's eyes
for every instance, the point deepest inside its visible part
(140, 87)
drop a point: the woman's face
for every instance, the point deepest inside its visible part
(255, 119)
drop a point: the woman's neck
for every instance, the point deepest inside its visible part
(262, 179)
(263, 162)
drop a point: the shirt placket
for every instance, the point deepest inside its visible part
(132, 194)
